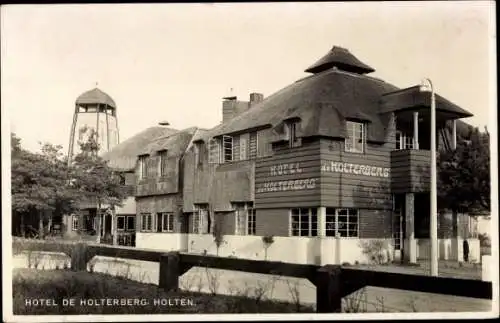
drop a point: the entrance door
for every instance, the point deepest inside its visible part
(398, 225)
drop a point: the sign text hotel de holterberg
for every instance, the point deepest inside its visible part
(311, 183)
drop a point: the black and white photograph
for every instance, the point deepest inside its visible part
(249, 161)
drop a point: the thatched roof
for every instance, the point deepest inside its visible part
(175, 143)
(323, 102)
(95, 96)
(413, 97)
(124, 156)
(342, 59)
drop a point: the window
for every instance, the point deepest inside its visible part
(245, 219)
(341, 221)
(201, 219)
(304, 222)
(251, 222)
(291, 134)
(198, 151)
(355, 137)
(403, 141)
(227, 146)
(163, 162)
(75, 222)
(165, 222)
(120, 223)
(143, 166)
(146, 222)
(253, 145)
(131, 223)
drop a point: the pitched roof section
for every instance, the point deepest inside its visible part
(124, 156)
(322, 101)
(175, 143)
(342, 59)
(413, 97)
(95, 96)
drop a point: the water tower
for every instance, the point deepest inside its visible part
(95, 110)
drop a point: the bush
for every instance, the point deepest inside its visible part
(376, 251)
(484, 240)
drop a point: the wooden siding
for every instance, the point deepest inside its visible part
(227, 222)
(154, 184)
(410, 171)
(216, 184)
(375, 224)
(289, 178)
(272, 222)
(157, 204)
(348, 189)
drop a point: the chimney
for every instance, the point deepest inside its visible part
(256, 98)
(231, 107)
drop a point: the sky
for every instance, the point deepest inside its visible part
(176, 62)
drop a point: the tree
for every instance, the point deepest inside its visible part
(464, 175)
(39, 183)
(95, 181)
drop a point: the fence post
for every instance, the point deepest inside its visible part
(328, 289)
(79, 257)
(169, 271)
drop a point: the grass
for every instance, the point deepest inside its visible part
(58, 285)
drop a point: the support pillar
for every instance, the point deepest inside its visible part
(114, 231)
(410, 244)
(415, 130)
(457, 240)
(324, 251)
(454, 135)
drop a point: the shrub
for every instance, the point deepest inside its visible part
(375, 250)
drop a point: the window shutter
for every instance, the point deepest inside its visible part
(236, 148)
(243, 148)
(214, 151)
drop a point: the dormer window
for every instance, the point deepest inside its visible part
(291, 134)
(355, 137)
(143, 169)
(198, 153)
(163, 162)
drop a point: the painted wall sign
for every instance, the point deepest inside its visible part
(291, 185)
(285, 169)
(357, 169)
(286, 185)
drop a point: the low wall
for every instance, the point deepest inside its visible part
(320, 251)
(450, 249)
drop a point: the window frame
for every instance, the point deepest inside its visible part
(251, 222)
(227, 149)
(75, 219)
(312, 222)
(200, 216)
(143, 166)
(351, 132)
(150, 216)
(124, 223)
(162, 162)
(170, 221)
(127, 227)
(338, 225)
(245, 219)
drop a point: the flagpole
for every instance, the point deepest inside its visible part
(433, 210)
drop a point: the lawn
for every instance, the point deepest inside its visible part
(61, 286)
(257, 290)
